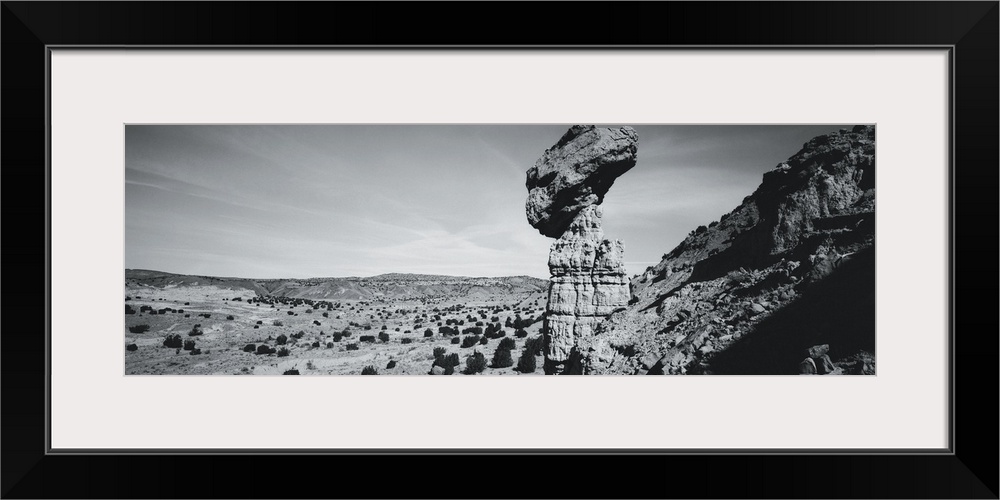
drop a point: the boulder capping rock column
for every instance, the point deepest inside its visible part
(588, 280)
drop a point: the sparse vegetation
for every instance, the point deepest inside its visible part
(384, 337)
(265, 349)
(173, 341)
(138, 329)
(131, 347)
(352, 347)
(506, 343)
(291, 372)
(470, 340)
(249, 348)
(281, 340)
(188, 345)
(391, 364)
(369, 370)
(502, 359)
(283, 352)
(526, 363)
(475, 364)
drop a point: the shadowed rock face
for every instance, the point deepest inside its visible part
(575, 173)
(588, 280)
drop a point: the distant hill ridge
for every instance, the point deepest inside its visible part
(390, 285)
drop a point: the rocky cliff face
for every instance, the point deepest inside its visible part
(792, 267)
(588, 280)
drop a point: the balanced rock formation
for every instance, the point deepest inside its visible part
(588, 280)
(576, 173)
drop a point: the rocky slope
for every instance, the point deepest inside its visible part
(396, 286)
(792, 267)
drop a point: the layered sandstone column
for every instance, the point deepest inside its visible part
(588, 280)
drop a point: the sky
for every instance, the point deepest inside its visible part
(300, 201)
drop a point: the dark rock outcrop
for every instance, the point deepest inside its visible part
(790, 268)
(575, 173)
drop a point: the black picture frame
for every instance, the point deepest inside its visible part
(968, 29)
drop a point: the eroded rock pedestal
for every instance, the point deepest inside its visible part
(588, 283)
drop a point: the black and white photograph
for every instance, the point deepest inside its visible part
(470, 249)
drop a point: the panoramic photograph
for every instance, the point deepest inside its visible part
(513, 249)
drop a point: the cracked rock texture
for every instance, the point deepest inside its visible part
(575, 173)
(588, 280)
(588, 283)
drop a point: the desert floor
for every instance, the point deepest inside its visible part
(316, 352)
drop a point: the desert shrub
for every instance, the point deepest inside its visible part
(145, 308)
(428, 333)
(391, 364)
(291, 313)
(526, 363)
(180, 311)
(195, 351)
(534, 345)
(129, 310)
(368, 327)
(470, 340)
(405, 340)
(439, 351)
(277, 323)
(230, 317)
(484, 341)
(255, 327)
(131, 347)
(507, 343)
(475, 330)
(455, 340)
(502, 358)
(186, 303)
(249, 348)
(315, 344)
(282, 352)
(369, 370)
(281, 340)
(329, 345)
(291, 372)
(265, 349)
(326, 315)
(138, 328)
(384, 337)
(205, 315)
(352, 347)
(195, 331)
(173, 341)
(187, 315)
(317, 323)
(299, 335)
(448, 362)
(475, 363)
(188, 345)
(337, 337)
(384, 327)
(520, 333)
(309, 311)
(367, 338)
